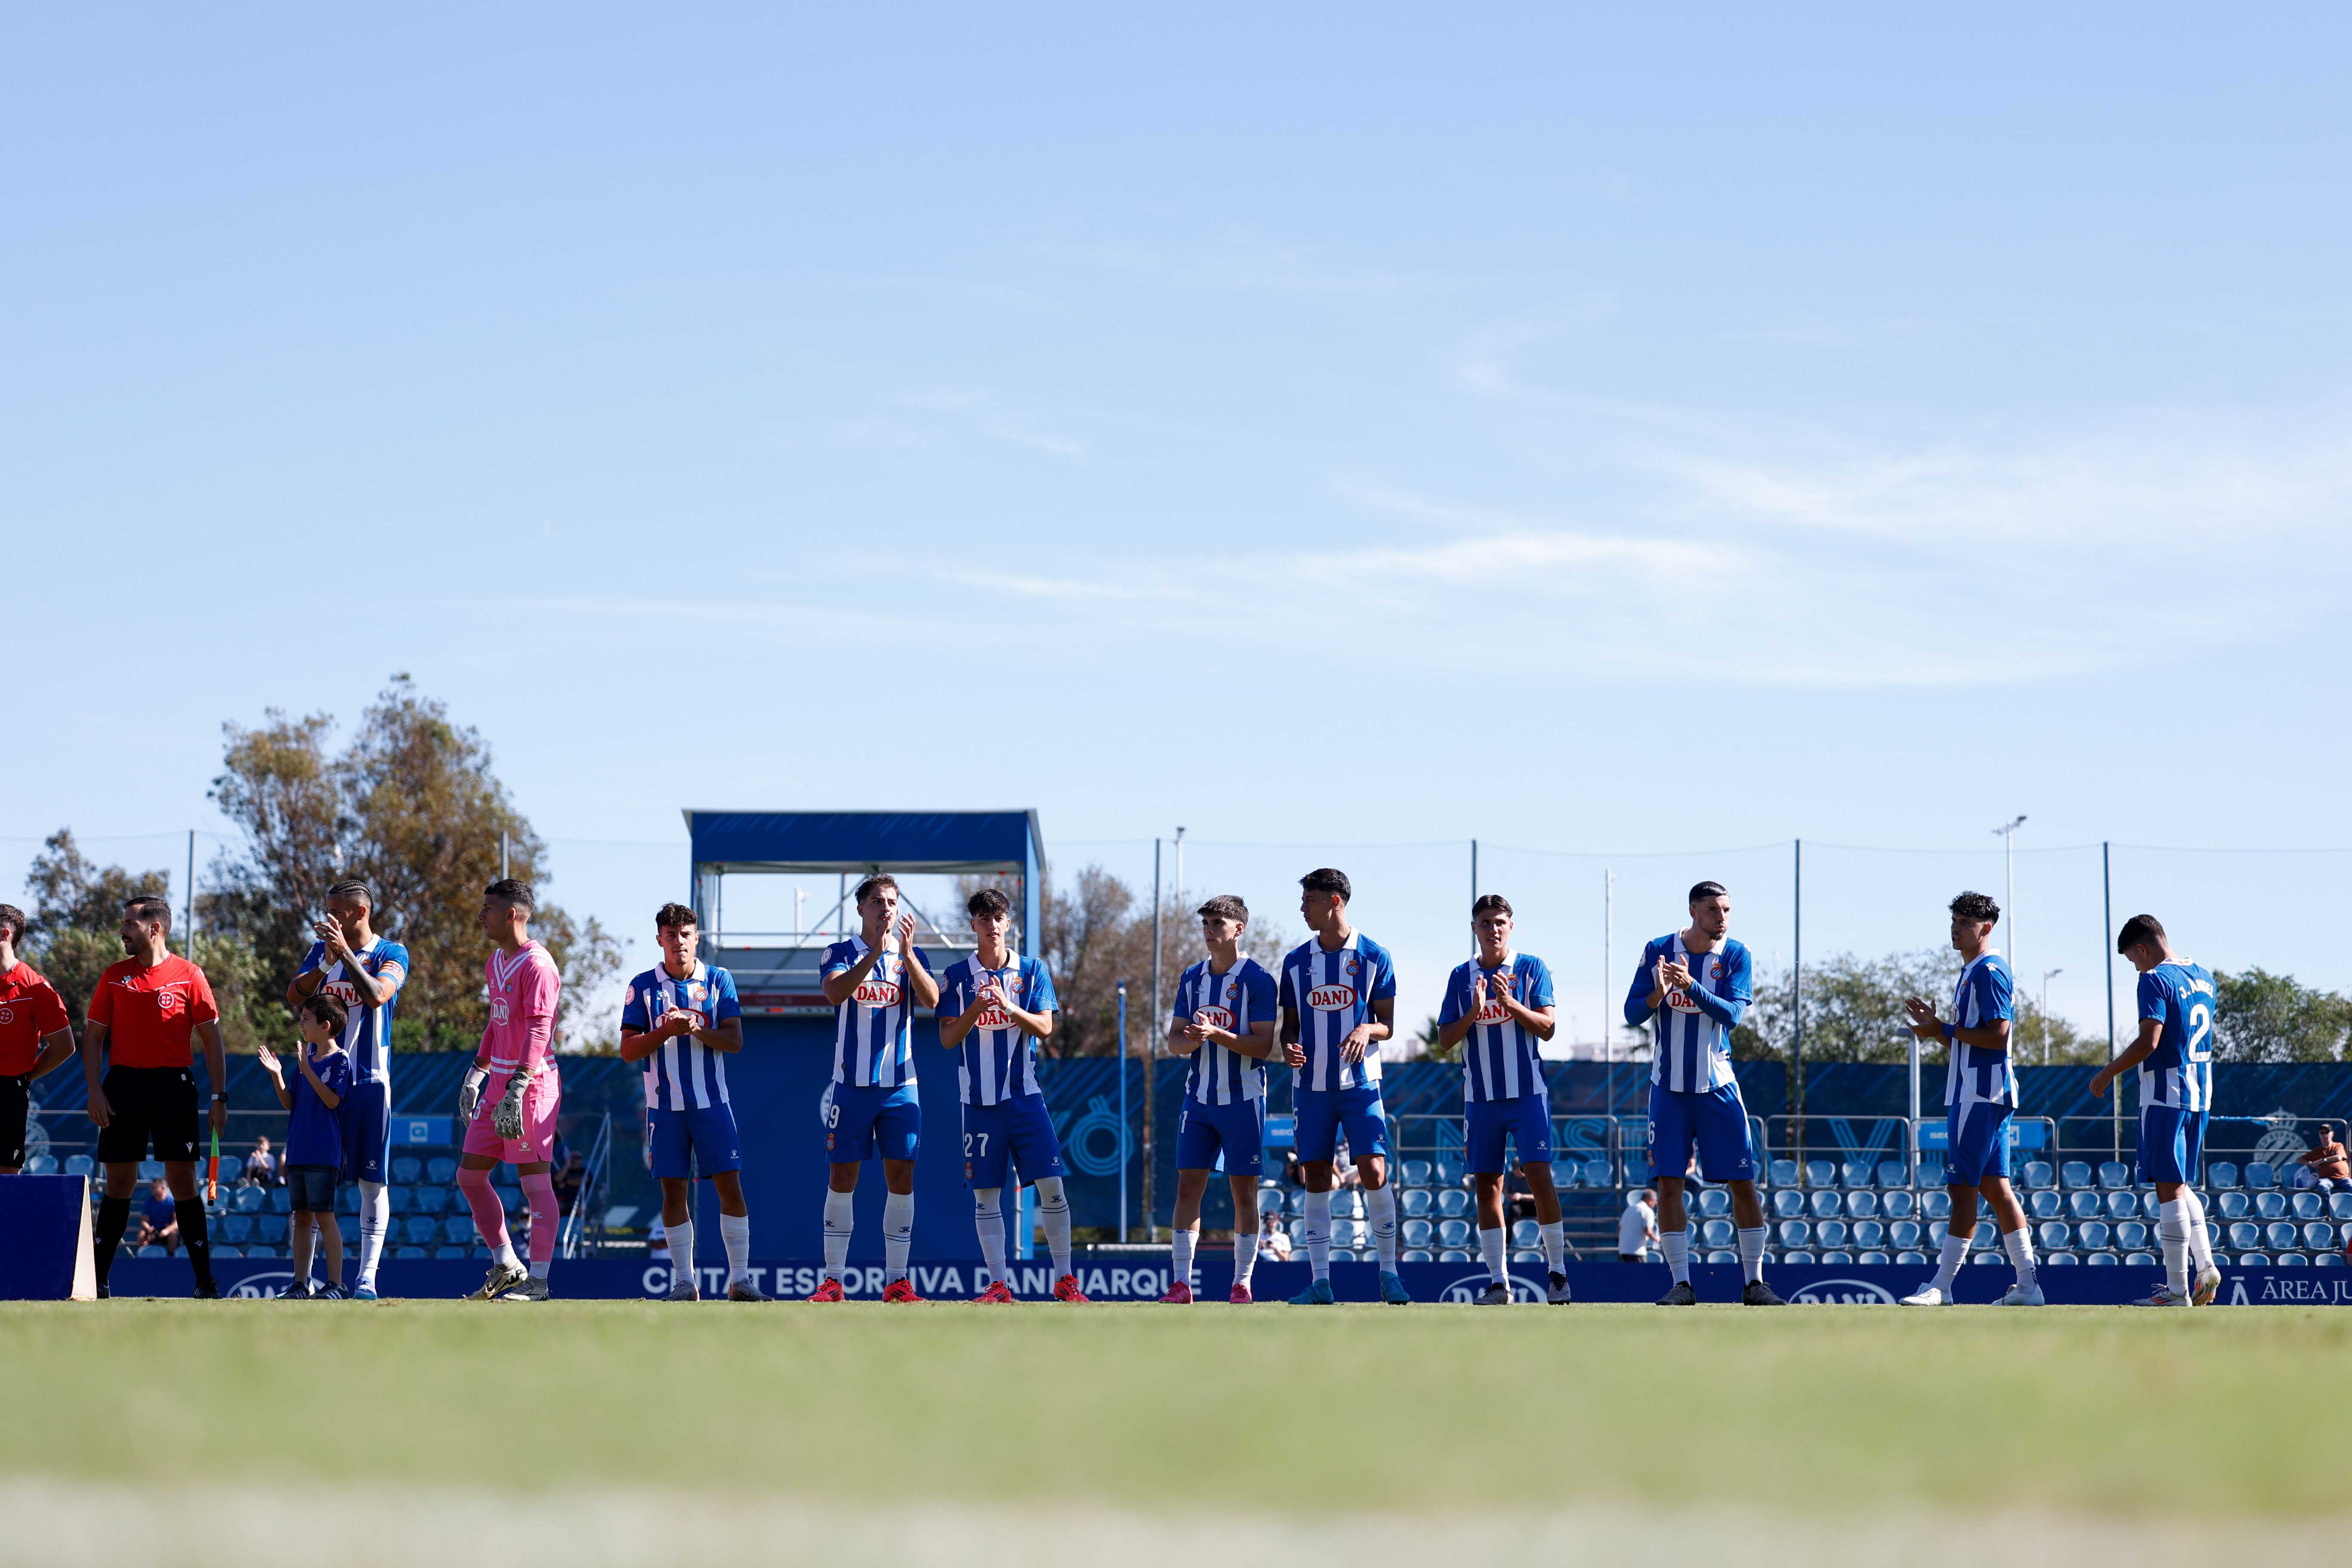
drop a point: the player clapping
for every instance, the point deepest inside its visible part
(1223, 1019)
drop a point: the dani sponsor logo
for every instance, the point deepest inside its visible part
(1216, 1017)
(1468, 1288)
(1842, 1293)
(1331, 998)
(872, 992)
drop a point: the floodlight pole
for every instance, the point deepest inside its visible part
(189, 925)
(1797, 997)
(2007, 831)
(1609, 979)
(1123, 1111)
(1151, 1063)
(2108, 942)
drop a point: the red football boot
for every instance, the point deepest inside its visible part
(1065, 1289)
(999, 1294)
(900, 1290)
(1241, 1295)
(828, 1291)
(1179, 1295)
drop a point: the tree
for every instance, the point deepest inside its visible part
(2259, 1016)
(1853, 1013)
(413, 805)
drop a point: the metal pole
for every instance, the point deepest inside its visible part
(1607, 979)
(190, 923)
(1123, 1111)
(1797, 1001)
(1152, 1065)
(503, 872)
(2108, 942)
(1176, 889)
(1474, 878)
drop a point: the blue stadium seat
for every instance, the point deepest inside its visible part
(2231, 1205)
(2269, 1204)
(2278, 1234)
(2042, 1204)
(441, 1170)
(1861, 1204)
(2319, 1236)
(1347, 1233)
(1524, 1234)
(236, 1228)
(2309, 1205)
(1795, 1233)
(2084, 1205)
(270, 1228)
(1987, 1234)
(79, 1165)
(2254, 1260)
(1448, 1172)
(398, 1200)
(150, 1250)
(1783, 1173)
(40, 1166)
(2093, 1235)
(1936, 1229)
(2331, 1259)
(1820, 1174)
(219, 1251)
(459, 1227)
(1713, 1203)
(1596, 1173)
(1869, 1233)
(2244, 1234)
(150, 1169)
(1415, 1232)
(1725, 1256)
(406, 1169)
(1825, 1204)
(1567, 1174)
(1894, 1173)
(1911, 1259)
(1836, 1258)
(1937, 1205)
(1901, 1204)
(280, 1201)
(514, 1202)
(231, 1168)
(1859, 1174)
(1416, 1173)
(1796, 1257)
(2038, 1174)
(1871, 1260)
(2292, 1260)
(249, 1200)
(1453, 1202)
(2075, 1174)
(1931, 1172)
(1295, 1207)
(408, 1252)
(420, 1229)
(347, 1198)
(2259, 1174)
(2131, 1235)
(2107, 1259)
(2122, 1205)
(2114, 1173)
(1717, 1233)
(1416, 1202)
(1830, 1232)
(1904, 1232)
(1417, 1255)
(2220, 1175)
(2053, 1236)
(2339, 1205)
(1453, 1233)
(1788, 1204)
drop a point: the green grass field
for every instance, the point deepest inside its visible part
(1431, 1409)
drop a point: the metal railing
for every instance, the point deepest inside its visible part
(586, 1220)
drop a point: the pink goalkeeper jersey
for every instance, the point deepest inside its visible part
(522, 991)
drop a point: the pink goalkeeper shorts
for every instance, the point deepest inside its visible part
(539, 1107)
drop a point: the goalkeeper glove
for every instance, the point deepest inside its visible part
(506, 1117)
(469, 1093)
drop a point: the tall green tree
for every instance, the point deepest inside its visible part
(1853, 1013)
(2259, 1016)
(412, 804)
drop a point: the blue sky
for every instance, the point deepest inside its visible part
(1620, 432)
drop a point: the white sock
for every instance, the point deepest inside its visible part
(1751, 1253)
(503, 1255)
(1955, 1253)
(1555, 1245)
(2019, 1245)
(682, 1253)
(1676, 1244)
(988, 1213)
(2200, 1233)
(376, 1214)
(1380, 1208)
(898, 1234)
(735, 1230)
(1180, 1254)
(1318, 1234)
(1245, 1251)
(1490, 1247)
(541, 1267)
(840, 1224)
(2172, 1228)
(1053, 1217)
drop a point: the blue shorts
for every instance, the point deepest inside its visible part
(310, 1189)
(2171, 1143)
(1525, 1118)
(1019, 1132)
(1320, 1113)
(1228, 1138)
(1712, 1121)
(864, 1119)
(685, 1140)
(1979, 1144)
(367, 1131)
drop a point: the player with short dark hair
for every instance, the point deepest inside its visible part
(511, 1095)
(1696, 982)
(36, 1038)
(683, 1020)
(2174, 1055)
(993, 1007)
(875, 981)
(1980, 1103)
(1339, 1002)
(363, 972)
(136, 1056)
(1498, 1007)
(314, 1100)
(1223, 1017)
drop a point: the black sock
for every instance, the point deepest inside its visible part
(193, 1238)
(113, 1215)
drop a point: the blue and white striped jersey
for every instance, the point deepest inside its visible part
(1499, 1059)
(1984, 991)
(873, 1027)
(367, 1031)
(998, 1060)
(1235, 1000)
(683, 1074)
(1332, 993)
(1693, 1034)
(2179, 1073)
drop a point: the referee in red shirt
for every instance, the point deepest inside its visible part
(146, 1007)
(35, 1036)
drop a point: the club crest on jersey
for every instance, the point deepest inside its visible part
(8, 1015)
(167, 1002)
(697, 991)
(874, 992)
(1332, 998)
(1715, 970)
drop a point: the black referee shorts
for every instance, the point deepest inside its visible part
(156, 1104)
(16, 1104)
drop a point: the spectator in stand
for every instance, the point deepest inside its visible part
(1273, 1238)
(2329, 1163)
(159, 1220)
(261, 1165)
(569, 1180)
(1637, 1227)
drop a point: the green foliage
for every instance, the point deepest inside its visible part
(2259, 1016)
(1853, 1013)
(69, 893)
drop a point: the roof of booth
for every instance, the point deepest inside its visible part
(858, 841)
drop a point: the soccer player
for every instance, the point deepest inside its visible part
(1223, 1019)
(682, 1019)
(1697, 984)
(1497, 1007)
(2174, 1053)
(36, 1037)
(992, 1006)
(511, 1096)
(875, 981)
(313, 1099)
(1980, 1102)
(1339, 1002)
(363, 972)
(142, 1016)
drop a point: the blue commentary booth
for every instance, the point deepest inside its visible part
(778, 1082)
